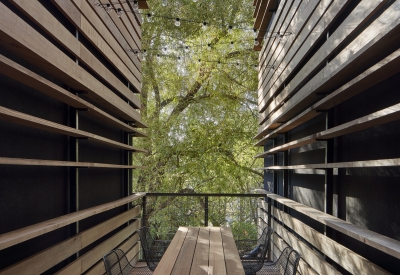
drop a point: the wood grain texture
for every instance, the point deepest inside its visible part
(166, 265)
(373, 239)
(60, 163)
(315, 260)
(88, 29)
(386, 115)
(216, 258)
(23, 75)
(350, 164)
(20, 38)
(29, 232)
(381, 34)
(48, 258)
(307, 28)
(201, 253)
(130, 246)
(107, 30)
(39, 123)
(348, 259)
(232, 259)
(382, 70)
(351, 25)
(89, 259)
(183, 263)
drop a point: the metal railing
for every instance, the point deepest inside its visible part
(165, 212)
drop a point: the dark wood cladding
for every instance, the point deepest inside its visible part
(69, 118)
(328, 123)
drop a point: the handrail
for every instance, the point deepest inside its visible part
(373, 239)
(203, 194)
(23, 234)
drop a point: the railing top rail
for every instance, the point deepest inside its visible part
(204, 194)
(373, 239)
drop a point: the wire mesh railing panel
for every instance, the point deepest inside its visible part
(165, 213)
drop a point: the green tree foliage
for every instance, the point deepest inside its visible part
(202, 116)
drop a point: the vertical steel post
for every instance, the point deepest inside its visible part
(206, 211)
(144, 201)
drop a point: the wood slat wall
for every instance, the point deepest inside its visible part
(69, 100)
(351, 261)
(330, 102)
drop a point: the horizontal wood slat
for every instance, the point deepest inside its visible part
(282, 25)
(29, 232)
(110, 27)
(379, 36)
(308, 27)
(35, 81)
(130, 247)
(87, 260)
(348, 259)
(20, 38)
(128, 69)
(43, 18)
(279, 244)
(107, 30)
(40, 162)
(39, 123)
(349, 164)
(48, 258)
(314, 259)
(378, 118)
(378, 241)
(382, 70)
(351, 25)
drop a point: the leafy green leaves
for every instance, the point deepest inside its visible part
(201, 115)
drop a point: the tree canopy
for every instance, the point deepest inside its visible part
(199, 98)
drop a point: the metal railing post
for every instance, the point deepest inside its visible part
(144, 199)
(206, 211)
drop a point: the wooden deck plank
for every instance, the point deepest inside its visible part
(217, 259)
(20, 235)
(373, 239)
(166, 265)
(232, 259)
(184, 261)
(201, 253)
